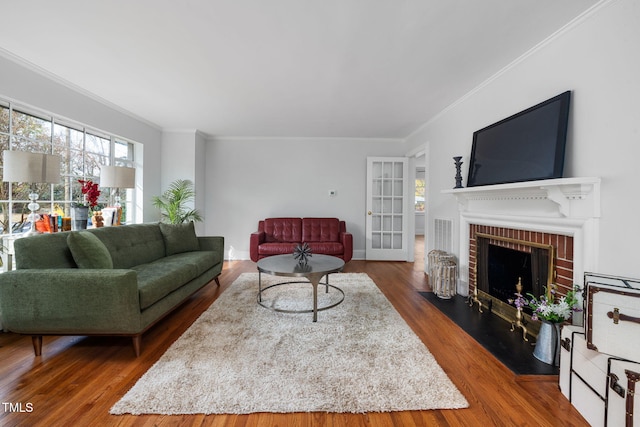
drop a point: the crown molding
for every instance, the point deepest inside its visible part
(72, 86)
(577, 21)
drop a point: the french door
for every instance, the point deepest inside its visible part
(387, 201)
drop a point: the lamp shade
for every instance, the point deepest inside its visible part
(117, 177)
(23, 166)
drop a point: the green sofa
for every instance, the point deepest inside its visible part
(105, 281)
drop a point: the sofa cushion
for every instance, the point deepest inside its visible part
(283, 230)
(158, 279)
(88, 251)
(179, 238)
(43, 251)
(320, 230)
(200, 260)
(131, 245)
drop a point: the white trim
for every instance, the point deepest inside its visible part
(302, 139)
(66, 83)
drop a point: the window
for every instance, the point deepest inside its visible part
(420, 187)
(83, 151)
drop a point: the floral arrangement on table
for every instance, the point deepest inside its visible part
(91, 193)
(547, 307)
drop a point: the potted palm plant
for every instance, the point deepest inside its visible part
(173, 203)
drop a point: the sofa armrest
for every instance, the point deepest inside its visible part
(257, 238)
(83, 301)
(212, 243)
(347, 242)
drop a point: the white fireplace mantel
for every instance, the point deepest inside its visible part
(569, 206)
(570, 197)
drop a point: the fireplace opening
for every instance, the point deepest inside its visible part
(505, 268)
(502, 262)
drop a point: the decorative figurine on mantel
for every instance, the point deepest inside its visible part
(458, 159)
(302, 253)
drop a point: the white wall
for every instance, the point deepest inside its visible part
(252, 179)
(20, 83)
(183, 157)
(597, 58)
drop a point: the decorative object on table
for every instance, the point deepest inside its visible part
(80, 211)
(79, 216)
(551, 313)
(97, 219)
(172, 203)
(302, 253)
(117, 177)
(32, 168)
(458, 162)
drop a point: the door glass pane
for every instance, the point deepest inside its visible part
(376, 223)
(375, 241)
(376, 206)
(398, 170)
(377, 170)
(397, 206)
(387, 170)
(386, 241)
(397, 241)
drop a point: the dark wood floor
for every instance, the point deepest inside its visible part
(77, 379)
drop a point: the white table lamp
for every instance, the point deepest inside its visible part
(32, 168)
(117, 177)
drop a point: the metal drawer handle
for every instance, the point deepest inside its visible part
(613, 384)
(617, 316)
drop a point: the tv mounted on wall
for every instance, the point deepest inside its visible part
(527, 146)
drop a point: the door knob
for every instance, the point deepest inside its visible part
(369, 213)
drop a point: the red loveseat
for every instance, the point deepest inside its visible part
(278, 236)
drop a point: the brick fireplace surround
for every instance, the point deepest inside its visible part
(562, 248)
(562, 212)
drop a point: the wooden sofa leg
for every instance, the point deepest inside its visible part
(37, 344)
(137, 344)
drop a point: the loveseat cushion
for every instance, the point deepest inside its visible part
(326, 248)
(179, 238)
(269, 249)
(320, 230)
(88, 251)
(283, 230)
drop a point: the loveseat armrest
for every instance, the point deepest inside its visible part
(212, 243)
(257, 238)
(70, 301)
(347, 243)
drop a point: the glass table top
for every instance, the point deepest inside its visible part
(287, 265)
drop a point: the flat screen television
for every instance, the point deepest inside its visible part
(527, 146)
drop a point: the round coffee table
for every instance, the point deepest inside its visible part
(316, 267)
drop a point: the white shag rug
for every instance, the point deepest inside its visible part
(240, 358)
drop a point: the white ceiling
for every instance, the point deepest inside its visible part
(281, 68)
